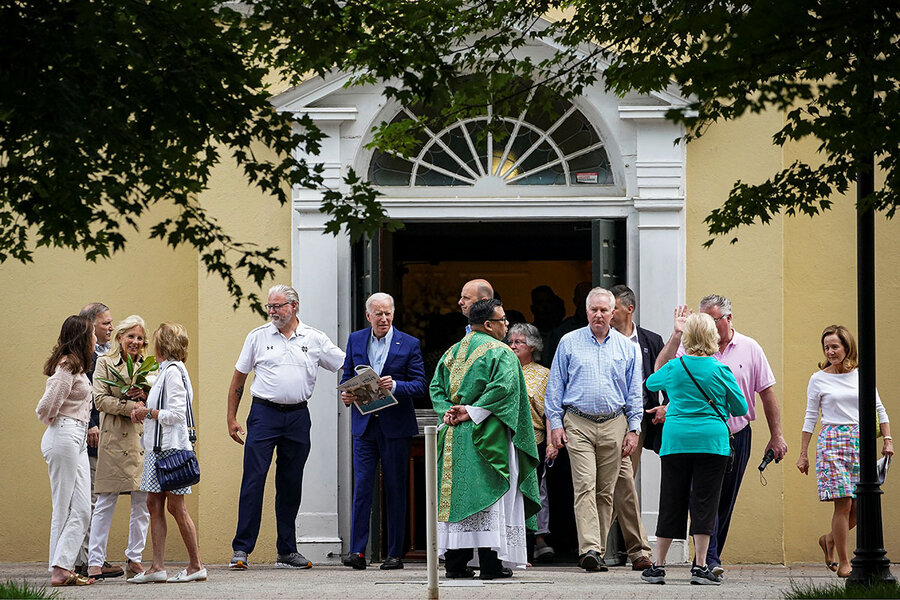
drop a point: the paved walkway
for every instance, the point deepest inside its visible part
(264, 581)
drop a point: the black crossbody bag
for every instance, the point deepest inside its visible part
(718, 414)
(180, 469)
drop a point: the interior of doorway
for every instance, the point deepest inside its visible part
(534, 267)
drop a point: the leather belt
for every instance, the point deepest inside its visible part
(279, 406)
(594, 418)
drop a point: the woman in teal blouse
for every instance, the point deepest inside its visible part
(695, 447)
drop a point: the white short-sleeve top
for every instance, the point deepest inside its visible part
(286, 367)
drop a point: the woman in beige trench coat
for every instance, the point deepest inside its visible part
(120, 456)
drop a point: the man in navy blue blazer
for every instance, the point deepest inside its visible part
(397, 358)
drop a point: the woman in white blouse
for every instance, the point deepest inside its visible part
(166, 408)
(834, 391)
(65, 409)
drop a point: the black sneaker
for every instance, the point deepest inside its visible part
(703, 576)
(294, 560)
(654, 574)
(355, 560)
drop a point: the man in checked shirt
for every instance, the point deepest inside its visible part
(595, 406)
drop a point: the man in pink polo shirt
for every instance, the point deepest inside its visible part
(754, 376)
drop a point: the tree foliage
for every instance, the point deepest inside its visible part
(108, 108)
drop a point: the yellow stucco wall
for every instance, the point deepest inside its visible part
(150, 280)
(247, 215)
(751, 274)
(787, 282)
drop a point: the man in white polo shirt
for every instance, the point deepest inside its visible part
(286, 355)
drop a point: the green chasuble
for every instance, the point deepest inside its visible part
(473, 460)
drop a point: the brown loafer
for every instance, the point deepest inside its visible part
(641, 563)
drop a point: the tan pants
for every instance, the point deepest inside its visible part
(595, 453)
(627, 507)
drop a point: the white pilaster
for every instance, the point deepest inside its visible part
(318, 274)
(659, 202)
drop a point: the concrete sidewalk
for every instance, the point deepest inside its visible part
(330, 581)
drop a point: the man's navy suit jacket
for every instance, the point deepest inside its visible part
(404, 364)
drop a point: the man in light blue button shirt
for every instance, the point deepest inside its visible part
(594, 403)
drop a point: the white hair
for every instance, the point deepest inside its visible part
(599, 291)
(379, 297)
(532, 337)
(290, 293)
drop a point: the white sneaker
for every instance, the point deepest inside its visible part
(183, 576)
(145, 577)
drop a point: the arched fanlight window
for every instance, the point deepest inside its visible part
(549, 143)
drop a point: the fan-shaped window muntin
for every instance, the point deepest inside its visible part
(568, 152)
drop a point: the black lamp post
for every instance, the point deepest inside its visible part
(870, 563)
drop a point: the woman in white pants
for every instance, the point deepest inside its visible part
(65, 409)
(120, 456)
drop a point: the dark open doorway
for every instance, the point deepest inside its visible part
(424, 266)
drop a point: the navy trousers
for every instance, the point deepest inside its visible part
(268, 430)
(731, 485)
(394, 454)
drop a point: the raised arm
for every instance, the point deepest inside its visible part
(668, 352)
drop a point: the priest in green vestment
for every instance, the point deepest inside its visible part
(487, 457)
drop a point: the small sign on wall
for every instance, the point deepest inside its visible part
(587, 177)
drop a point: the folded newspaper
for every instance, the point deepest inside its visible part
(881, 468)
(369, 397)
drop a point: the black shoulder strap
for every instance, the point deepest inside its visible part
(189, 413)
(710, 402)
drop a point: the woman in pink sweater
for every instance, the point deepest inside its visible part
(65, 409)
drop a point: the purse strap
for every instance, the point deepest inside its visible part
(189, 412)
(702, 391)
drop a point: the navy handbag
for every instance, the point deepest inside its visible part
(180, 468)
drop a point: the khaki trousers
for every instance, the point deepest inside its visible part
(626, 506)
(595, 453)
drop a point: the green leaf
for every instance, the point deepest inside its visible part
(130, 365)
(110, 370)
(148, 365)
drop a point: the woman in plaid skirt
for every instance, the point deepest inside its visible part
(834, 392)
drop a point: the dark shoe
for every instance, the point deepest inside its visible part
(81, 570)
(543, 552)
(107, 571)
(654, 574)
(641, 563)
(469, 573)
(592, 561)
(390, 563)
(503, 573)
(294, 560)
(703, 576)
(355, 560)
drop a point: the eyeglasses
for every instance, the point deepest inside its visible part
(276, 306)
(720, 318)
(517, 342)
(500, 320)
